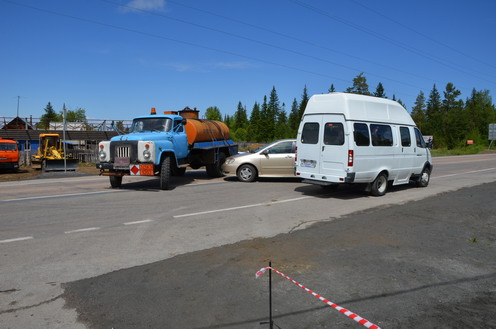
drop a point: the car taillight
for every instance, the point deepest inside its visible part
(350, 158)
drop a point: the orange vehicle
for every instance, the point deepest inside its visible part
(9, 154)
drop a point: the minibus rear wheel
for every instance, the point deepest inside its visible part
(379, 185)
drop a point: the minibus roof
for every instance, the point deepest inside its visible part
(359, 108)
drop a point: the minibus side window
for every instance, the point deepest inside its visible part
(333, 133)
(361, 134)
(382, 135)
(419, 139)
(310, 133)
(405, 137)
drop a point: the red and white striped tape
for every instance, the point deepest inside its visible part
(346, 312)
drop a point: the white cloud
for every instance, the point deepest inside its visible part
(150, 5)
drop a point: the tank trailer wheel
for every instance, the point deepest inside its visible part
(214, 170)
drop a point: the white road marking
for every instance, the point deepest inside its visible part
(59, 196)
(241, 207)
(464, 173)
(139, 222)
(17, 239)
(82, 230)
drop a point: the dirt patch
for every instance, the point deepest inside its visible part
(25, 173)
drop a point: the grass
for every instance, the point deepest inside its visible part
(469, 149)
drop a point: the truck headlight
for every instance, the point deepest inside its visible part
(102, 155)
(146, 151)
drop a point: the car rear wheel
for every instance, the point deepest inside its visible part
(247, 173)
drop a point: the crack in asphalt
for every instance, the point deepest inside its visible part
(12, 310)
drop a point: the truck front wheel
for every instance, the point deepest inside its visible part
(115, 181)
(165, 173)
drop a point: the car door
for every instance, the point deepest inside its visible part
(333, 146)
(420, 152)
(405, 155)
(278, 159)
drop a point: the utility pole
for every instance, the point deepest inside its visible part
(18, 99)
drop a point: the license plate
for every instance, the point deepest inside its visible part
(308, 163)
(141, 170)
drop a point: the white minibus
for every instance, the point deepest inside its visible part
(349, 138)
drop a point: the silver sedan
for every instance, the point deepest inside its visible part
(276, 159)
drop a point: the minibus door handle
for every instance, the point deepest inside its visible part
(323, 148)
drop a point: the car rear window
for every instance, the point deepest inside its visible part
(333, 133)
(310, 133)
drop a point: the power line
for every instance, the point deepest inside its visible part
(298, 39)
(423, 35)
(387, 39)
(262, 43)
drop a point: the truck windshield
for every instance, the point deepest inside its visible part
(151, 124)
(8, 147)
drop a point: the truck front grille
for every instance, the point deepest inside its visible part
(123, 151)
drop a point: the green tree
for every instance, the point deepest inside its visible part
(265, 132)
(78, 115)
(49, 116)
(293, 120)
(453, 125)
(255, 127)
(331, 89)
(480, 112)
(434, 116)
(418, 111)
(273, 109)
(303, 103)
(240, 119)
(360, 86)
(213, 113)
(379, 91)
(282, 127)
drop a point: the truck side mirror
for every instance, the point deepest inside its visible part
(183, 122)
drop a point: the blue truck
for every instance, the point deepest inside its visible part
(164, 145)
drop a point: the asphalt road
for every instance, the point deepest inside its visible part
(57, 231)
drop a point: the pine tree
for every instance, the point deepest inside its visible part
(255, 127)
(379, 91)
(434, 116)
(453, 126)
(303, 103)
(331, 89)
(360, 86)
(240, 117)
(293, 121)
(49, 116)
(282, 127)
(418, 111)
(273, 110)
(265, 132)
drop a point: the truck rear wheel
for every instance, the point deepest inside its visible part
(165, 173)
(214, 170)
(115, 181)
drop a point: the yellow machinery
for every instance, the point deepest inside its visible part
(50, 155)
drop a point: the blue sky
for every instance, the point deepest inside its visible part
(117, 62)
